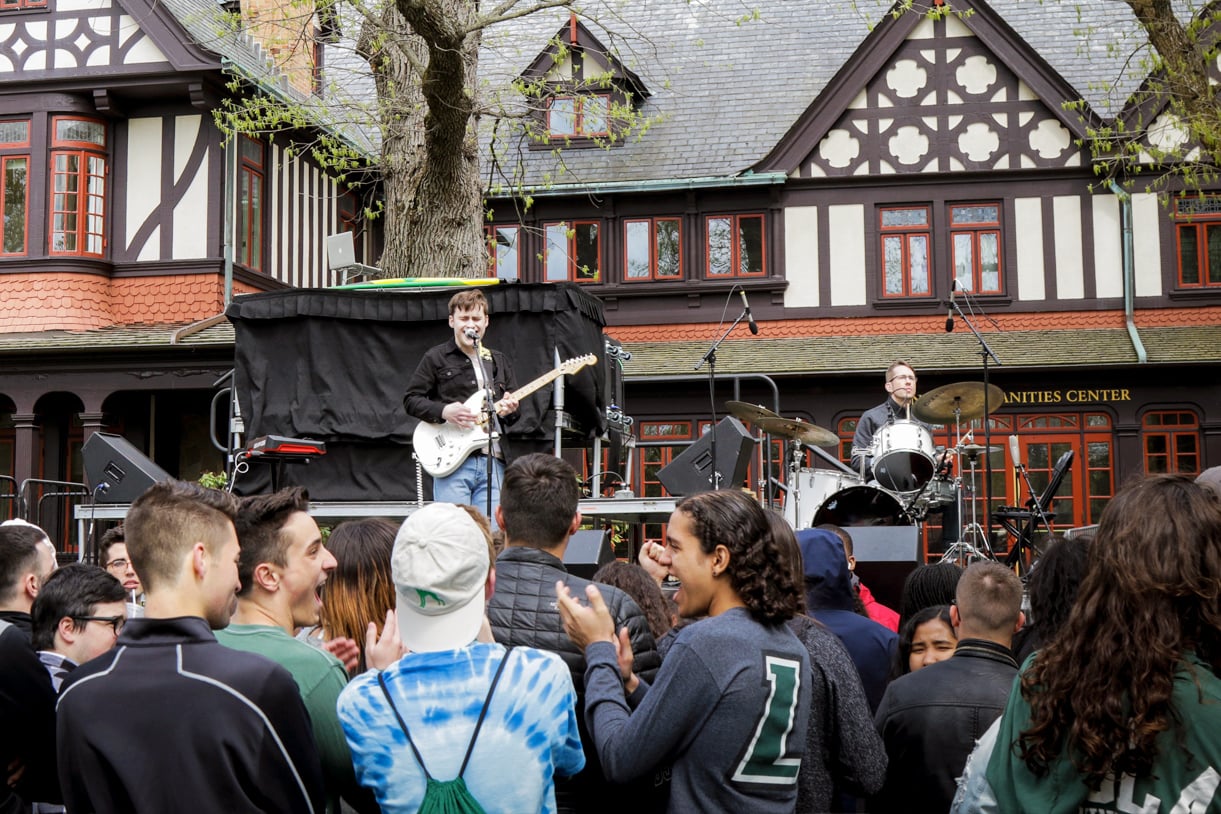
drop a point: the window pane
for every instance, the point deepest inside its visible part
(77, 130)
(593, 114)
(14, 205)
(668, 252)
(974, 214)
(556, 253)
(14, 132)
(989, 262)
(561, 117)
(892, 254)
(586, 242)
(506, 252)
(1189, 258)
(256, 221)
(750, 234)
(1100, 455)
(1156, 444)
(720, 247)
(251, 151)
(904, 217)
(1213, 231)
(964, 262)
(243, 219)
(917, 247)
(636, 234)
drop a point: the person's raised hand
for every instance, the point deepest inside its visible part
(344, 649)
(585, 624)
(647, 559)
(382, 651)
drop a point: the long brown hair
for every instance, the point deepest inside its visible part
(360, 590)
(1100, 691)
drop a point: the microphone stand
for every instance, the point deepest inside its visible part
(710, 358)
(986, 353)
(489, 417)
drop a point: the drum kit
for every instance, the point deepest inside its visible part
(911, 476)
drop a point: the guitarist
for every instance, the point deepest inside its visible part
(447, 375)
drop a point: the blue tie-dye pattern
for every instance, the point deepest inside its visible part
(530, 730)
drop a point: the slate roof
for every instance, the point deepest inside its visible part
(113, 339)
(726, 87)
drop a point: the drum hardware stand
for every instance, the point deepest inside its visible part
(710, 358)
(986, 353)
(795, 460)
(960, 549)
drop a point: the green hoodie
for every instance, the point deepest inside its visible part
(1186, 776)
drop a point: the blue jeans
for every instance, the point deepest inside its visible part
(469, 484)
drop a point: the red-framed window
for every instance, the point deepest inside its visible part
(579, 116)
(652, 249)
(251, 180)
(573, 252)
(1171, 441)
(14, 185)
(1198, 236)
(504, 255)
(653, 454)
(906, 251)
(735, 246)
(12, 5)
(975, 240)
(78, 186)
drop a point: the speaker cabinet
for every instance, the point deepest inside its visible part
(691, 471)
(122, 471)
(885, 555)
(588, 550)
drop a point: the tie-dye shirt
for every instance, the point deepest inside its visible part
(528, 736)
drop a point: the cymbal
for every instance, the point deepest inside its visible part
(938, 406)
(971, 450)
(809, 434)
(748, 412)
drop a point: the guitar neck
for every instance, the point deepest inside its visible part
(543, 380)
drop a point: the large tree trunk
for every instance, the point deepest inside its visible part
(425, 64)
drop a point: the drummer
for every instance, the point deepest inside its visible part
(901, 385)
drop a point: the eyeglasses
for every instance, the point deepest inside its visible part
(904, 378)
(116, 622)
(117, 564)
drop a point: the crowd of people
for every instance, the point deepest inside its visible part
(226, 657)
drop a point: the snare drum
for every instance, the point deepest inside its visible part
(939, 492)
(811, 489)
(903, 456)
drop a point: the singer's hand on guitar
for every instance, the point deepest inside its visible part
(506, 405)
(460, 415)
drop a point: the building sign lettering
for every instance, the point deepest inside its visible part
(1091, 396)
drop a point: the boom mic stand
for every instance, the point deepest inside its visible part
(710, 358)
(986, 353)
(490, 422)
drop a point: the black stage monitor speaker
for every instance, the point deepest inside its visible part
(885, 555)
(588, 550)
(120, 470)
(691, 471)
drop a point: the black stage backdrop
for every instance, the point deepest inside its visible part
(333, 366)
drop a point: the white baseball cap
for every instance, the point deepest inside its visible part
(439, 566)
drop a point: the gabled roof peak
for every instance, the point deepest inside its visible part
(572, 39)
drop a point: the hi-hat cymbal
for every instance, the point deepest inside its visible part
(972, 450)
(964, 400)
(748, 412)
(809, 434)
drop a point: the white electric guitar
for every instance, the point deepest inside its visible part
(441, 448)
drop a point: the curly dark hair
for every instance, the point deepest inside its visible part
(1101, 690)
(757, 572)
(1053, 587)
(928, 585)
(636, 583)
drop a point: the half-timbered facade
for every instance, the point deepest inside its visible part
(128, 224)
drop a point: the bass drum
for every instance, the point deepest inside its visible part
(861, 506)
(811, 490)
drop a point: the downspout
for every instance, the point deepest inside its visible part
(230, 173)
(1129, 271)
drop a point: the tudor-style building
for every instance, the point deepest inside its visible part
(128, 224)
(846, 178)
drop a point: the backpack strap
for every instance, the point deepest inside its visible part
(483, 712)
(381, 680)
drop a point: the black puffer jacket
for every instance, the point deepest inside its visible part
(523, 611)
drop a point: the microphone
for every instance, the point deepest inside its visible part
(471, 334)
(1013, 450)
(754, 329)
(949, 314)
